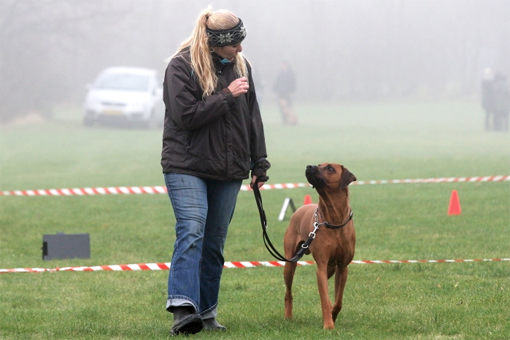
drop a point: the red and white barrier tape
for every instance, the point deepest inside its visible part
(162, 190)
(242, 264)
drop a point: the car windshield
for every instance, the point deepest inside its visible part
(123, 81)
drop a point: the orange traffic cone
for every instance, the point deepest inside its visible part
(308, 200)
(454, 207)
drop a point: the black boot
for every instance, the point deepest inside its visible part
(213, 325)
(186, 321)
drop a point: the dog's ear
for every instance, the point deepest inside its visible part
(346, 178)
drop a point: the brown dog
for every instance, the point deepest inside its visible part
(333, 246)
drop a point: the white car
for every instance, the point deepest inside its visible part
(125, 95)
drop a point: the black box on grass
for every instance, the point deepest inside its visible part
(66, 246)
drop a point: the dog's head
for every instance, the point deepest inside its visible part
(329, 175)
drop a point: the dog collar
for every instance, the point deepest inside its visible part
(332, 226)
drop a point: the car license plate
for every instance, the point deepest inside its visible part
(112, 112)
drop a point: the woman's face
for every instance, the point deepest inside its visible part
(228, 52)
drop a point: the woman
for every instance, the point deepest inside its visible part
(213, 136)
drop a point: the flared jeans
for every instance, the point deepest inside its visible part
(203, 210)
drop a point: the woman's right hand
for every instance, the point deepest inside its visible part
(239, 86)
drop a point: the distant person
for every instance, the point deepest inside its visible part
(501, 100)
(213, 136)
(488, 98)
(284, 87)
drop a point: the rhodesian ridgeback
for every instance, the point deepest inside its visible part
(330, 222)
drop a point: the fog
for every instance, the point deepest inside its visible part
(340, 50)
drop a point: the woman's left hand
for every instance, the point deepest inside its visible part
(254, 180)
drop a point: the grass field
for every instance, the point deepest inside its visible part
(435, 301)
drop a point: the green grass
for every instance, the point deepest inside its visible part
(392, 221)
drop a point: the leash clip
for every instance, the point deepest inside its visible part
(315, 228)
(311, 236)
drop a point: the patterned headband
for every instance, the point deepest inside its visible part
(231, 36)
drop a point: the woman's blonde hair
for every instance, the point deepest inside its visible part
(201, 57)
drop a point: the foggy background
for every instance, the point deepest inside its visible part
(340, 50)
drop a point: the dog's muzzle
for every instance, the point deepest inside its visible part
(313, 176)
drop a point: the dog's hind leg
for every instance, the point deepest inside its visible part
(288, 275)
(340, 280)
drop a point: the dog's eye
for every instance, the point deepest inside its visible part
(330, 168)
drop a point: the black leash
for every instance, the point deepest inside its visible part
(267, 242)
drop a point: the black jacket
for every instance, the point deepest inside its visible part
(219, 137)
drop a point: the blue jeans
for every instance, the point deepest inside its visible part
(203, 210)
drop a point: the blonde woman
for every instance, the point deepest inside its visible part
(213, 136)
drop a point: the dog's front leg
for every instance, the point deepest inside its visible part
(322, 282)
(288, 275)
